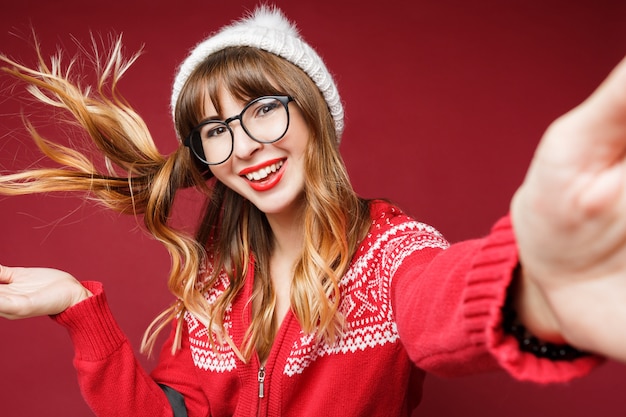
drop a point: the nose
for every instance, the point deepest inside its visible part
(243, 145)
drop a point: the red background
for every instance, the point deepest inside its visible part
(445, 103)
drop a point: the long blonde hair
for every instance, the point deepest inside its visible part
(335, 218)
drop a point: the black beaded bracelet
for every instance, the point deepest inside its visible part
(529, 343)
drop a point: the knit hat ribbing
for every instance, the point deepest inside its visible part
(268, 29)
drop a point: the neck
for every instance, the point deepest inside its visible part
(288, 231)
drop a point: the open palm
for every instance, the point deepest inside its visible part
(30, 292)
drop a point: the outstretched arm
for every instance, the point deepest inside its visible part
(104, 359)
(569, 217)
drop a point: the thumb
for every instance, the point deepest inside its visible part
(610, 97)
(590, 138)
(600, 121)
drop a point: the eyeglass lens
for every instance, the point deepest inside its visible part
(265, 120)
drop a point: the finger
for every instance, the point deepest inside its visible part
(610, 97)
(8, 307)
(595, 131)
(11, 304)
(6, 274)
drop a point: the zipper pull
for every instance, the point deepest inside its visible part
(261, 379)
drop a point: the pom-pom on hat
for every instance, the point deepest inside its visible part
(268, 29)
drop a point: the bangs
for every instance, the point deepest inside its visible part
(240, 71)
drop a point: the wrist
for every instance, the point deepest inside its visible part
(544, 339)
(80, 295)
(532, 308)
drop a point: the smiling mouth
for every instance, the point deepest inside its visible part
(264, 172)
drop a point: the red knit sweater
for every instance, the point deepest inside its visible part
(413, 305)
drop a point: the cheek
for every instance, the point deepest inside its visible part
(219, 172)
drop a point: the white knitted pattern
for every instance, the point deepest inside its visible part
(268, 29)
(216, 357)
(365, 295)
(366, 300)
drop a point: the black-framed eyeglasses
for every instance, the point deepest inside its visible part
(264, 119)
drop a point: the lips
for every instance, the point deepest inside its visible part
(264, 176)
(262, 173)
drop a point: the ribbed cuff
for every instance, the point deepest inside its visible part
(484, 297)
(92, 328)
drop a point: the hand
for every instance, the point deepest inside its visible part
(569, 217)
(30, 292)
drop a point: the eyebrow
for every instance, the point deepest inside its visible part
(217, 118)
(212, 119)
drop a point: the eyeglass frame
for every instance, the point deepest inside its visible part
(283, 99)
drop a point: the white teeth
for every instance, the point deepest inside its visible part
(264, 172)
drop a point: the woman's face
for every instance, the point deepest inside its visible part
(269, 175)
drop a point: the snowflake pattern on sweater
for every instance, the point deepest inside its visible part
(365, 298)
(366, 301)
(217, 358)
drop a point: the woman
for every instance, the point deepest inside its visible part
(309, 292)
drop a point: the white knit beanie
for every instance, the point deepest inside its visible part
(268, 29)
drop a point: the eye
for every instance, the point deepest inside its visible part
(213, 131)
(266, 107)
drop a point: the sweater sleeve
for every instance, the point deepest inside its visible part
(447, 305)
(177, 371)
(112, 381)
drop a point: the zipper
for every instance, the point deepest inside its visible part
(261, 379)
